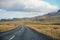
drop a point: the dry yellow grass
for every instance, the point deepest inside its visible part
(6, 27)
(43, 27)
(51, 30)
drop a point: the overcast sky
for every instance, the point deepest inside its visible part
(27, 8)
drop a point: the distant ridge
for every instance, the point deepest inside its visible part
(48, 17)
(53, 16)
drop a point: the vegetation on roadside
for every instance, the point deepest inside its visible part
(5, 26)
(49, 28)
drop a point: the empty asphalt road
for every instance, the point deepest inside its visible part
(23, 33)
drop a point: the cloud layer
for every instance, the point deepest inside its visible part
(27, 6)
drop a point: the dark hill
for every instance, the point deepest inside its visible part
(53, 16)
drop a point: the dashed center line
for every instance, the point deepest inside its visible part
(12, 37)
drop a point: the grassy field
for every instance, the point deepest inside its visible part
(6, 26)
(49, 28)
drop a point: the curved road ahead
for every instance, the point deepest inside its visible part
(23, 33)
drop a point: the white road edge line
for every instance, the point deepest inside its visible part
(12, 37)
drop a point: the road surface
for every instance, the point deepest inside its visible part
(23, 33)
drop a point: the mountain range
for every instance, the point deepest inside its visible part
(53, 16)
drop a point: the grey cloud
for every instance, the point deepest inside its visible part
(19, 5)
